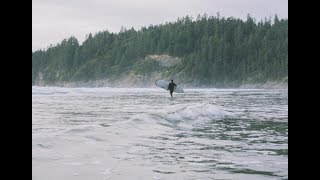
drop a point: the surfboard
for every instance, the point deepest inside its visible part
(165, 84)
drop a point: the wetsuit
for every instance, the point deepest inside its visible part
(171, 87)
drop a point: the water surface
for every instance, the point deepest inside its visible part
(131, 133)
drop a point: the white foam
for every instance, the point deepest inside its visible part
(197, 111)
(49, 90)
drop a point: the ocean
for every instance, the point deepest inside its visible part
(143, 134)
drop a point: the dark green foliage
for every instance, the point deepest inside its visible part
(214, 51)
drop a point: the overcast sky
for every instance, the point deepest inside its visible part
(54, 20)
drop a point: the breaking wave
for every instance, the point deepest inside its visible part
(199, 111)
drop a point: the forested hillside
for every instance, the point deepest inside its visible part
(211, 51)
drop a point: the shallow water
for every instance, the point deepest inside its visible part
(132, 133)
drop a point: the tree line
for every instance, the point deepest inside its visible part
(214, 50)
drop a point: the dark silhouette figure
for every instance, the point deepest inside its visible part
(171, 87)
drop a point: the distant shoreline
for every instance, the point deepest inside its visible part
(101, 84)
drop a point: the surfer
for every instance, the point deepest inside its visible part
(171, 87)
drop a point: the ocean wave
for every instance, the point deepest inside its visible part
(50, 90)
(195, 112)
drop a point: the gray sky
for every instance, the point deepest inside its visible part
(54, 20)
